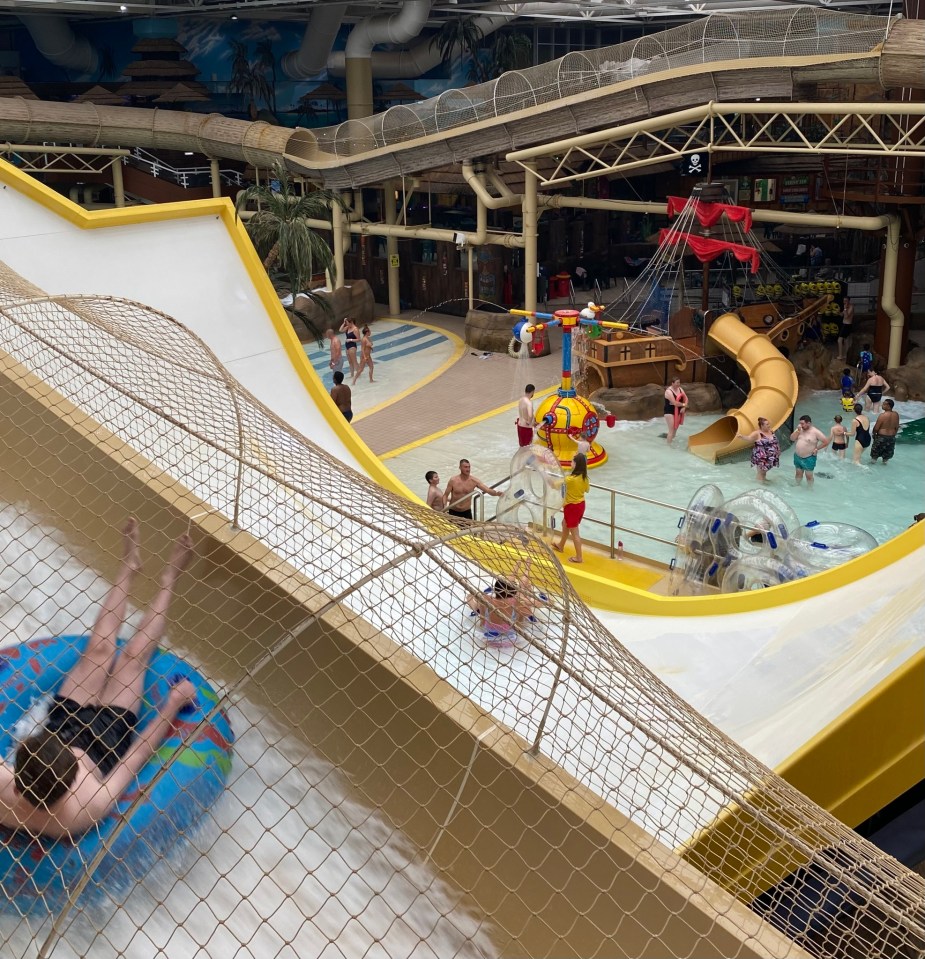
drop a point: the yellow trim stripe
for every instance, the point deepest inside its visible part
(223, 209)
(458, 349)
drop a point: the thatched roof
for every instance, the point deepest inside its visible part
(400, 92)
(158, 45)
(161, 68)
(325, 91)
(14, 87)
(183, 93)
(101, 96)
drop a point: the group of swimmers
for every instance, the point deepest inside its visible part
(356, 339)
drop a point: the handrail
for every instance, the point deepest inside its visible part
(185, 177)
(478, 510)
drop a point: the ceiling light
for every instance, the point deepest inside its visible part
(234, 16)
(123, 8)
(187, 153)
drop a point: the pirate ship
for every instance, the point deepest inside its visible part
(681, 321)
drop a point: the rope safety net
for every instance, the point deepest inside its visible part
(402, 782)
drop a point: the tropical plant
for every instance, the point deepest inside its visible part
(509, 51)
(266, 60)
(458, 38)
(290, 247)
(248, 79)
(106, 63)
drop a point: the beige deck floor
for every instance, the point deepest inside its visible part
(469, 388)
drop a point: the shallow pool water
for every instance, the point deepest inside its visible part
(403, 353)
(879, 499)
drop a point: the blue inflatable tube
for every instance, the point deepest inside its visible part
(39, 873)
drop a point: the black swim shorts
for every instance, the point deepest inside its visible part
(460, 513)
(104, 733)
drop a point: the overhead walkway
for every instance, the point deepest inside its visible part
(717, 57)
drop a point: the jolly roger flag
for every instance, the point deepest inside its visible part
(694, 164)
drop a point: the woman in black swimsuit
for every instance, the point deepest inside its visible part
(860, 431)
(352, 334)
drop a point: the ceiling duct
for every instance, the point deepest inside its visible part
(320, 32)
(56, 41)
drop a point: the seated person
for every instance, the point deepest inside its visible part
(510, 600)
(69, 775)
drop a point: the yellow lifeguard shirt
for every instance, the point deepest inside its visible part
(575, 488)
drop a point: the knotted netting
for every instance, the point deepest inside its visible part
(415, 770)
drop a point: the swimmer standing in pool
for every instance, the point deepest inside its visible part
(808, 441)
(69, 775)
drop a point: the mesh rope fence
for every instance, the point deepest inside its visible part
(383, 757)
(789, 32)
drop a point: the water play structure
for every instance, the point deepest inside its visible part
(325, 611)
(566, 417)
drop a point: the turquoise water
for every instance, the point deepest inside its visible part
(879, 499)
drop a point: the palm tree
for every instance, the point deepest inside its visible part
(509, 51)
(248, 79)
(458, 38)
(266, 60)
(282, 236)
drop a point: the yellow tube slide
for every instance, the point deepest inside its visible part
(773, 388)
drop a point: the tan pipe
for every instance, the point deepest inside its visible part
(888, 293)
(530, 218)
(338, 236)
(391, 245)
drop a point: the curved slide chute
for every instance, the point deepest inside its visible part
(773, 391)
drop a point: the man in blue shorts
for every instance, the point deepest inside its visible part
(807, 442)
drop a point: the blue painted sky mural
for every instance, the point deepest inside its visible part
(209, 47)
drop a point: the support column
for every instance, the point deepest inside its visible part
(359, 73)
(337, 238)
(529, 208)
(118, 187)
(471, 278)
(216, 178)
(391, 247)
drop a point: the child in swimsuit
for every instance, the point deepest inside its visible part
(838, 437)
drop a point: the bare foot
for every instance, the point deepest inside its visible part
(131, 555)
(574, 559)
(179, 559)
(557, 547)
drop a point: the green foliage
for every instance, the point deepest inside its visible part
(462, 37)
(509, 51)
(283, 237)
(458, 38)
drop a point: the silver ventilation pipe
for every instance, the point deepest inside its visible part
(56, 41)
(416, 60)
(397, 28)
(320, 32)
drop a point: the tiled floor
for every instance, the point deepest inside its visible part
(470, 387)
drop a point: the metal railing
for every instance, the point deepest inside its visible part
(612, 539)
(186, 177)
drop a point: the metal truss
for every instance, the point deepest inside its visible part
(34, 158)
(855, 129)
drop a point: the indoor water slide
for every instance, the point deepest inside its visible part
(773, 392)
(795, 674)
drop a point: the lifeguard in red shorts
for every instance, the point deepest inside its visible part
(576, 486)
(526, 418)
